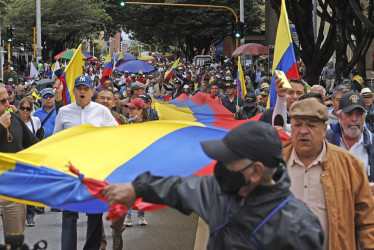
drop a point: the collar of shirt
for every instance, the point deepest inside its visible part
(294, 158)
(359, 143)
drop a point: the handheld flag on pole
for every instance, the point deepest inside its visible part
(72, 71)
(169, 74)
(56, 67)
(121, 60)
(284, 54)
(240, 82)
(33, 70)
(108, 69)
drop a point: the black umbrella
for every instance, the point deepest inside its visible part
(44, 83)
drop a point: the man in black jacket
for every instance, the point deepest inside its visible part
(246, 203)
(14, 136)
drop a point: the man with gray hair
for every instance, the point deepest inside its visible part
(351, 134)
(319, 89)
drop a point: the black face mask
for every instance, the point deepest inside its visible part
(230, 181)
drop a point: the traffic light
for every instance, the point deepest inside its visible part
(238, 31)
(122, 3)
(9, 32)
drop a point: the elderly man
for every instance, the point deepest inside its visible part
(14, 137)
(319, 90)
(329, 180)
(136, 89)
(79, 112)
(351, 133)
(368, 96)
(246, 203)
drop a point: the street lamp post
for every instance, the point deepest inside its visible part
(38, 31)
(242, 41)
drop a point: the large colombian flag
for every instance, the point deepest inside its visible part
(40, 175)
(284, 54)
(72, 71)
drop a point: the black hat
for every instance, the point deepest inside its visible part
(257, 141)
(145, 97)
(250, 99)
(230, 85)
(350, 101)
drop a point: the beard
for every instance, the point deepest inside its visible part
(352, 133)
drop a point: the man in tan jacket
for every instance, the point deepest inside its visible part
(330, 180)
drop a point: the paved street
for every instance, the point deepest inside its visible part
(167, 229)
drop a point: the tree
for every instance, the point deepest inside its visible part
(343, 24)
(64, 23)
(191, 29)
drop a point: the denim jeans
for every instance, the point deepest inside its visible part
(30, 211)
(69, 231)
(140, 213)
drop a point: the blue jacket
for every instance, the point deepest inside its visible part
(333, 136)
(50, 123)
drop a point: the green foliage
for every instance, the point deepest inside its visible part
(64, 22)
(8, 75)
(185, 27)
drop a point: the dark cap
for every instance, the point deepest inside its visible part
(309, 108)
(146, 97)
(250, 99)
(137, 85)
(83, 80)
(257, 141)
(346, 81)
(47, 91)
(350, 101)
(136, 103)
(230, 85)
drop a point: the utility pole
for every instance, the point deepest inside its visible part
(242, 41)
(38, 31)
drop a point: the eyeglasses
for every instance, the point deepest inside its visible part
(25, 108)
(48, 96)
(3, 101)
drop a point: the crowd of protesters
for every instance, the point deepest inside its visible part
(342, 114)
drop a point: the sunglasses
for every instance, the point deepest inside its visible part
(48, 96)
(3, 101)
(25, 108)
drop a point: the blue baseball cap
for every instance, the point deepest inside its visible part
(83, 80)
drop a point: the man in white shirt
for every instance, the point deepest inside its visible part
(79, 112)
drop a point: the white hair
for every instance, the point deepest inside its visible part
(316, 87)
